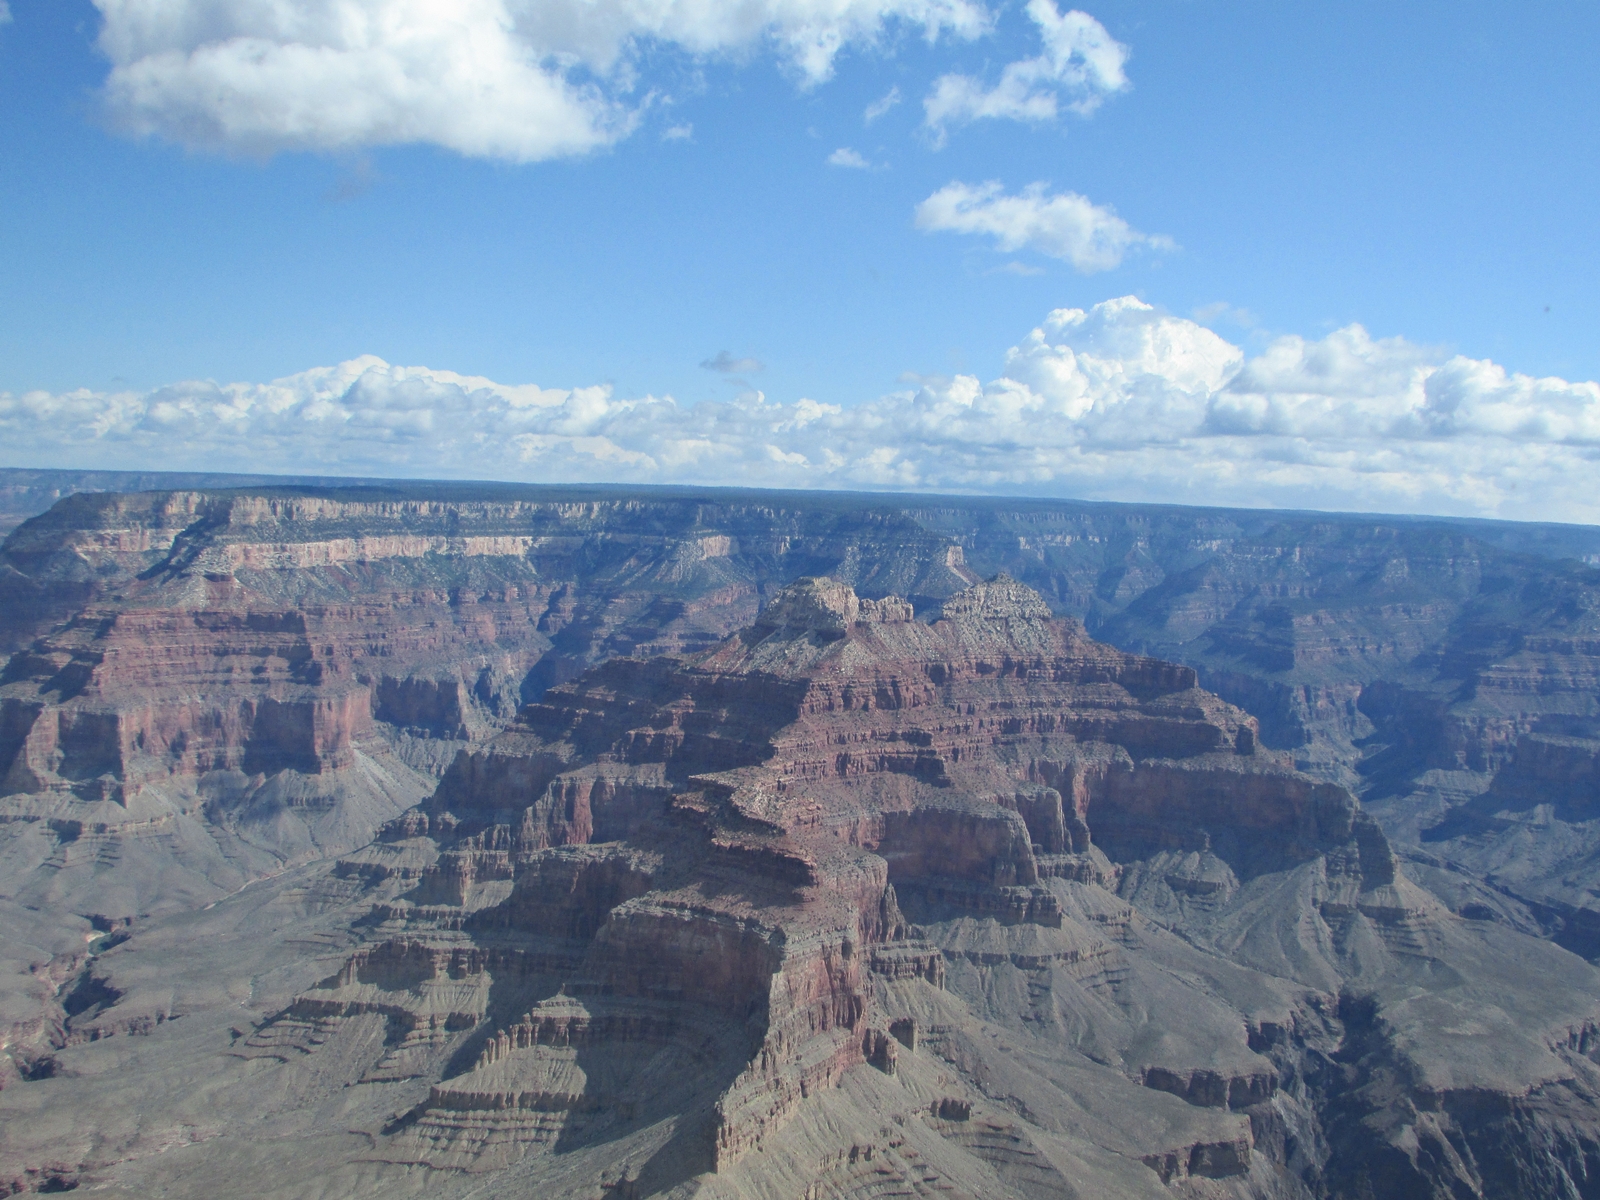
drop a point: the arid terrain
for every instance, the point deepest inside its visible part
(476, 839)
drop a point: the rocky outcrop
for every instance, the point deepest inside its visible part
(1087, 884)
(291, 667)
(818, 849)
(154, 632)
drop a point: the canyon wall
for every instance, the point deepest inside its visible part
(753, 872)
(247, 657)
(853, 904)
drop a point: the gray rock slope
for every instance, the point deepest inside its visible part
(212, 695)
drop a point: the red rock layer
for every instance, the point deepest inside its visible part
(160, 637)
(768, 808)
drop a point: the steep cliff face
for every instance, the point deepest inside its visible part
(807, 834)
(205, 687)
(1406, 660)
(864, 905)
(1403, 659)
(291, 668)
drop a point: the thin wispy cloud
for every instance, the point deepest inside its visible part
(846, 157)
(1064, 225)
(1080, 65)
(1018, 268)
(678, 133)
(725, 363)
(881, 106)
(1117, 402)
(501, 79)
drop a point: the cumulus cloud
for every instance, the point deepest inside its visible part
(846, 157)
(727, 364)
(522, 80)
(1117, 402)
(1081, 64)
(1065, 226)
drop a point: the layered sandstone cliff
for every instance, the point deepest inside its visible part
(983, 880)
(294, 667)
(793, 868)
(202, 688)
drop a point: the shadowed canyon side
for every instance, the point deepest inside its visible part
(1139, 938)
(253, 657)
(848, 904)
(204, 688)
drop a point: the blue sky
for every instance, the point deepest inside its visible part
(1430, 173)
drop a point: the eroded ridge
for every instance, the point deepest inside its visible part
(709, 890)
(221, 659)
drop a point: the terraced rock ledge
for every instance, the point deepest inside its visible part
(867, 899)
(856, 904)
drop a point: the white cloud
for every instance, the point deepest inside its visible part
(846, 157)
(1080, 60)
(5, 13)
(522, 80)
(1117, 402)
(881, 106)
(1065, 226)
(679, 133)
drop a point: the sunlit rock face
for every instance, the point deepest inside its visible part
(284, 668)
(248, 679)
(996, 890)
(813, 863)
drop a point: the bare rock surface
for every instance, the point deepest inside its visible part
(212, 698)
(847, 904)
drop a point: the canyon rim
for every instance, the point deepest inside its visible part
(480, 839)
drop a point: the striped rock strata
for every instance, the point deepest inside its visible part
(703, 883)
